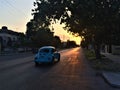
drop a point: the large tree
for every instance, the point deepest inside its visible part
(94, 20)
(56, 42)
(43, 37)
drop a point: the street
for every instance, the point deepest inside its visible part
(72, 73)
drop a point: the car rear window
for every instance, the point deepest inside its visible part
(45, 50)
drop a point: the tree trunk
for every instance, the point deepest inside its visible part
(97, 51)
(110, 48)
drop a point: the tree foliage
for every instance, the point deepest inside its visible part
(56, 42)
(96, 21)
(43, 37)
(71, 44)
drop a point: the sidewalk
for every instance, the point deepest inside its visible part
(115, 58)
(12, 53)
(111, 77)
(7, 53)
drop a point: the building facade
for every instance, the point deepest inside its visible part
(8, 38)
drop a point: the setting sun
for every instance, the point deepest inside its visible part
(64, 35)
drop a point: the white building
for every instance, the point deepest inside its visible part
(8, 37)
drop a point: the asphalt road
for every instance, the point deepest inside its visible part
(71, 73)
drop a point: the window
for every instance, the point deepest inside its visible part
(44, 50)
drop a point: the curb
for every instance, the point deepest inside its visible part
(110, 81)
(10, 54)
(7, 54)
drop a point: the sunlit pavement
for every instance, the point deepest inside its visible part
(71, 73)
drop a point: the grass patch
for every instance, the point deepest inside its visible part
(89, 54)
(102, 64)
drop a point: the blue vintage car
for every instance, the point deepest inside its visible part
(47, 54)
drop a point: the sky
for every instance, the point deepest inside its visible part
(16, 13)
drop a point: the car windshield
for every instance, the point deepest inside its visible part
(44, 50)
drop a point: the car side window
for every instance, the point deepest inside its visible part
(53, 50)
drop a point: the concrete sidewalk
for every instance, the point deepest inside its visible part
(115, 58)
(111, 77)
(12, 53)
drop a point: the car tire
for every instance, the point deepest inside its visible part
(36, 63)
(59, 58)
(52, 62)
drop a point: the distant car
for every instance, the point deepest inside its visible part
(46, 54)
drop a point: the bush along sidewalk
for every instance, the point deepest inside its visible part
(103, 64)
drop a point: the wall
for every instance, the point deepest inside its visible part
(6, 37)
(116, 50)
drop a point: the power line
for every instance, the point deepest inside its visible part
(4, 9)
(18, 10)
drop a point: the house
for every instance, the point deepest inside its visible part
(115, 49)
(8, 38)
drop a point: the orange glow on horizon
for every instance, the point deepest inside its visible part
(64, 35)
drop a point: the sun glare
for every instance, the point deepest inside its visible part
(64, 35)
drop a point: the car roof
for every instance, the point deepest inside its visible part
(49, 47)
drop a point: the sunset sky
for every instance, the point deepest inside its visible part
(16, 13)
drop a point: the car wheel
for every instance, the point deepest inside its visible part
(52, 62)
(36, 63)
(58, 58)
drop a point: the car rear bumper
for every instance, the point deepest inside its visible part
(43, 60)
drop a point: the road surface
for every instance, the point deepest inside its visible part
(71, 73)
